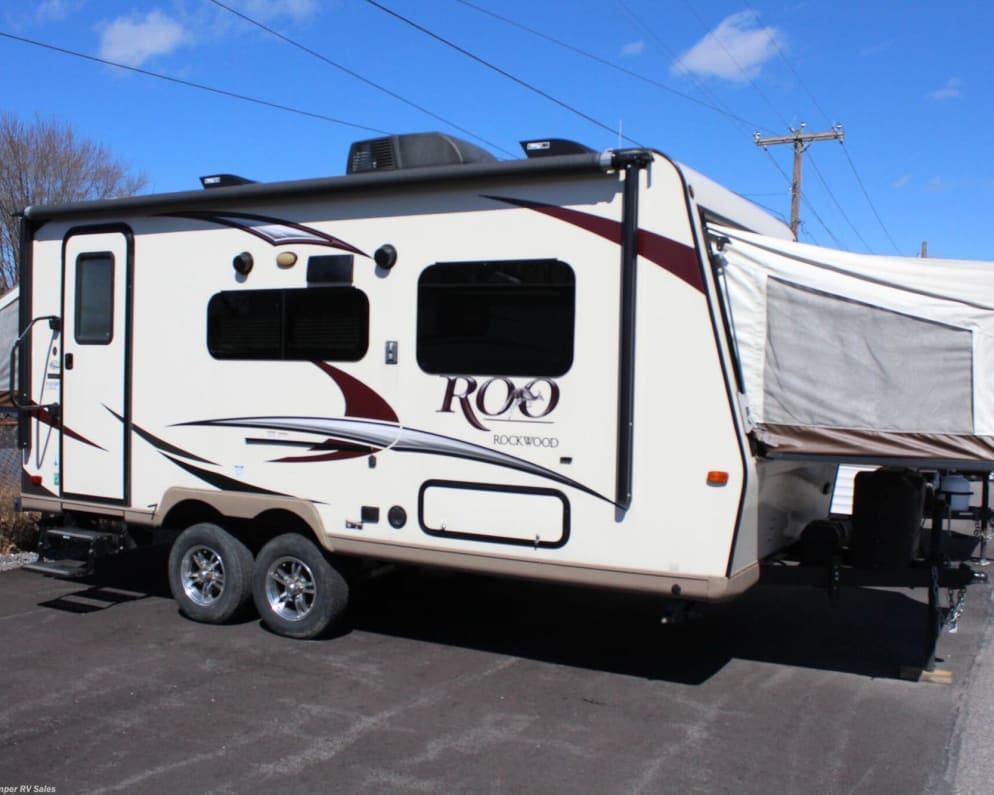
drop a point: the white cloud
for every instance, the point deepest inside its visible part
(903, 181)
(938, 185)
(735, 50)
(133, 41)
(265, 10)
(951, 90)
(633, 48)
(52, 11)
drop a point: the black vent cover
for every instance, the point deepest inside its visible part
(413, 151)
(550, 147)
(224, 181)
(369, 155)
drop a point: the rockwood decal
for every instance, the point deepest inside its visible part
(500, 398)
(512, 440)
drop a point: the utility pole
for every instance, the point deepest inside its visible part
(801, 141)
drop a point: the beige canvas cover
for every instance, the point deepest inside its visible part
(8, 334)
(860, 356)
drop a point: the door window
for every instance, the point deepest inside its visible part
(94, 299)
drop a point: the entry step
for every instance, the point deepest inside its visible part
(80, 535)
(61, 568)
(74, 551)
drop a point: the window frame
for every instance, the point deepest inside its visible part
(551, 362)
(80, 311)
(278, 351)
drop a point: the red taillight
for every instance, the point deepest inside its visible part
(36, 480)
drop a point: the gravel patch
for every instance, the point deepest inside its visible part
(16, 560)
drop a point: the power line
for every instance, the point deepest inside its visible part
(735, 61)
(191, 84)
(651, 35)
(755, 87)
(800, 141)
(657, 42)
(502, 72)
(607, 63)
(811, 235)
(829, 232)
(771, 210)
(804, 199)
(357, 76)
(797, 76)
(835, 201)
(869, 201)
(852, 165)
(704, 90)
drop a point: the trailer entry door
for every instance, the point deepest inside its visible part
(94, 366)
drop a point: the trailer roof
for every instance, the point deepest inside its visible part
(718, 202)
(564, 164)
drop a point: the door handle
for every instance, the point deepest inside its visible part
(69, 361)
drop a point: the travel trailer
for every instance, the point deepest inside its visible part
(598, 368)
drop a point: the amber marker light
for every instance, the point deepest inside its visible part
(717, 477)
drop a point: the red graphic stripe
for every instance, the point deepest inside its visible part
(339, 455)
(43, 416)
(678, 259)
(330, 450)
(360, 400)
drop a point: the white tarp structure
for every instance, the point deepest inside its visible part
(8, 334)
(862, 356)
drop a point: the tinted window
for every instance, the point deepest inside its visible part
(496, 318)
(326, 323)
(94, 299)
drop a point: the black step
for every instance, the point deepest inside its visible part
(81, 535)
(61, 568)
(74, 551)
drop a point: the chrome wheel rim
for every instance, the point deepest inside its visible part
(202, 575)
(290, 588)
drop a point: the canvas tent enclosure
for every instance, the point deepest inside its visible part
(862, 357)
(9, 307)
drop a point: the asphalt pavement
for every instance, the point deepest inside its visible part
(451, 683)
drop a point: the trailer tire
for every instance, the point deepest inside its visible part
(210, 573)
(297, 590)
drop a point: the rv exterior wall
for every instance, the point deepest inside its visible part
(334, 444)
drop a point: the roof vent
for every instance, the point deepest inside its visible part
(224, 181)
(550, 147)
(413, 151)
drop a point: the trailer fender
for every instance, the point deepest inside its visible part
(242, 506)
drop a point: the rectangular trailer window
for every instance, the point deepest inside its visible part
(496, 318)
(316, 323)
(94, 299)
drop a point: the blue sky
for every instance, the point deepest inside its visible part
(912, 84)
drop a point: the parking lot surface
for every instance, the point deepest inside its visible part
(450, 683)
